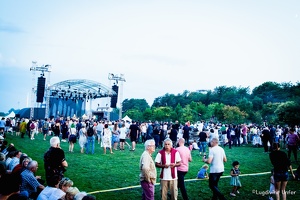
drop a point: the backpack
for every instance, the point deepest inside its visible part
(32, 126)
(46, 125)
(90, 131)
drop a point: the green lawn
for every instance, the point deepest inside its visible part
(115, 176)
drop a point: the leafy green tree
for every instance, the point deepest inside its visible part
(268, 112)
(214, 112)
(162, 113)
(245, 105)
(134, 114)
(138, 104)
(187, 114)
(147, 114)
(178, 111)
(288, 113)
(233, 115)
(257, 103)
(268, 92)
(255, 117)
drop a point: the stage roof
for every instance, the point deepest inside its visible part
(80, 89)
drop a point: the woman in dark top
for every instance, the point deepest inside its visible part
(281, 164)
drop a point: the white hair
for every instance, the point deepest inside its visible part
(147, 143)
(54, 141)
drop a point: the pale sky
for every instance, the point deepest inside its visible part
(161, 46)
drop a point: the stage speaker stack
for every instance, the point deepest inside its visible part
(114, 99)
(40, 89)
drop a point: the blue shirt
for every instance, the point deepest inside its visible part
(202, 173)
(29, 182)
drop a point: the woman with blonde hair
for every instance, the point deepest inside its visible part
(71, 192)
(115, 136)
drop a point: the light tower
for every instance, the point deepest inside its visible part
(42, 69)
(118, 78)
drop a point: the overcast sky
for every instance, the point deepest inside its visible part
(160, 46)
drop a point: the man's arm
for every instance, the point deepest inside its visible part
(159, 165)
(64, 163)
(208, 160)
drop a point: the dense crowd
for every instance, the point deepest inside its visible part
(113, 136)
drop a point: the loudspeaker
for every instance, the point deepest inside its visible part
(114, 99)
(40, 89)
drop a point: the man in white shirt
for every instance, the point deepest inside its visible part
(168, 159)
(216, 159)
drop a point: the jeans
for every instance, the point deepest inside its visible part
(213, 185)
(292, 148)
(245, 139)
(237, 141)
(202, 147)
(181, 184)
(156, 139)
(90, 141)
(148, 190)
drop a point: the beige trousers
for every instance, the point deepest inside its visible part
(166, 185)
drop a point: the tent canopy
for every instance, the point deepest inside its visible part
(11, 115)
(126, 118)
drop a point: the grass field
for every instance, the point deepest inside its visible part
(115, 176)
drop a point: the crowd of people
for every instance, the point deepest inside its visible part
(174, 140)
(18, 180)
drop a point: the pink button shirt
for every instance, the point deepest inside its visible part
(186, 157)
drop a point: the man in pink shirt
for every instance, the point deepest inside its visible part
(186, 157)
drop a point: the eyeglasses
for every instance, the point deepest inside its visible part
(167, 144)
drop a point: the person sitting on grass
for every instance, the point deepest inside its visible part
(30, 185)
(71, 192)
(63, 186)
(202, 174)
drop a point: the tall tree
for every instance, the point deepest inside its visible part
(288, 113)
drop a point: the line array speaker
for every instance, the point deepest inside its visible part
(40, 89)
(114, 99)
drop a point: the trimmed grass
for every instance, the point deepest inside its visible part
(99, 173)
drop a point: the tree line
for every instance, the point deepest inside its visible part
(270, 102)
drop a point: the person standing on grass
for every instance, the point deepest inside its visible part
(45, 128)
(281, 164)
(82, 137)
(235, 180)
(99, 128)
(216, 159)
(148, 171)
(23, 127)
(133, 134)
(106, 142)
(115, 136)
(72, 137)
(185, 155)
(168, 159)
(123, 133)
(292, 140)
(54, 159)
(266, 137)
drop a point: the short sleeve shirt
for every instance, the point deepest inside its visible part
(217, 165)
(167, 175)
(29, 182)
